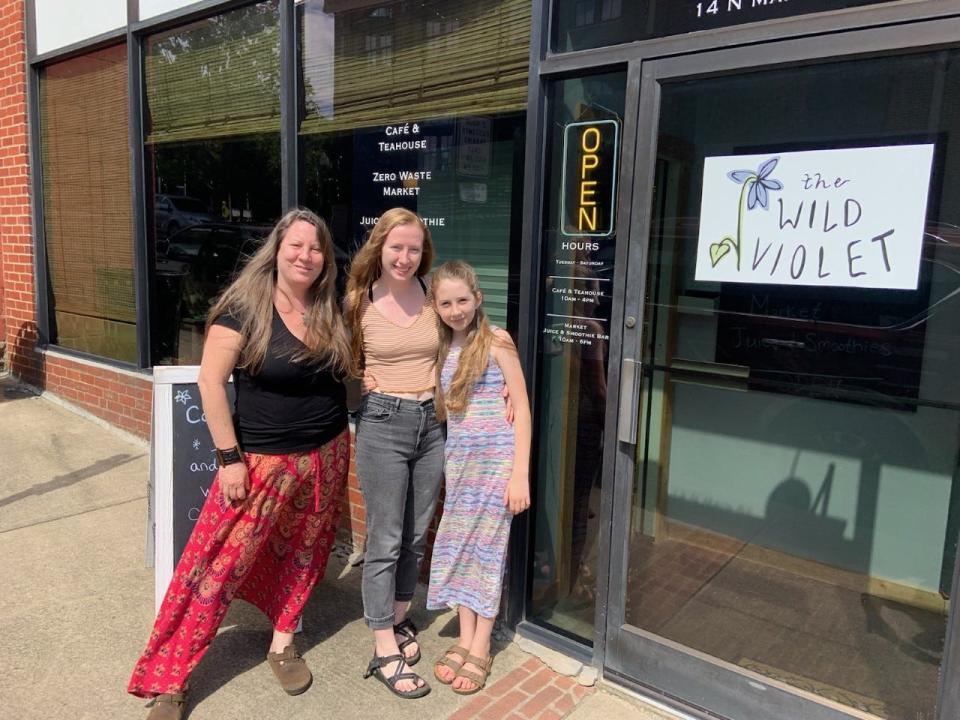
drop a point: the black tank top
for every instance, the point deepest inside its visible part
(287, 406)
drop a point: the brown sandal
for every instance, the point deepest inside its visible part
(291, 670)
(478, 679)
(168, 706)
(448, 662)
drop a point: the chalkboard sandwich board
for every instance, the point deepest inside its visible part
(183, 465)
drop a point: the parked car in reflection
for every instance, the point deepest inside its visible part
(175, 212)
(204, 258)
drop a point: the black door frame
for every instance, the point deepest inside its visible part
(633, 656)
(547, 66)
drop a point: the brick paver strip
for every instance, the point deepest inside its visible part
(515, 678)
(531, 692)
(503, 707)
(538, 680)
(541, 701)
(532, 664)
(564, 704)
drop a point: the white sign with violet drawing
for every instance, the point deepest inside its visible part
(846, 218)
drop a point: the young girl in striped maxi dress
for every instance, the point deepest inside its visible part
(486, 467)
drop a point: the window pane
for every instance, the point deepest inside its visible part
(796, 514)
(86, 202)
(421, 106)
(212, 160)
(578, 274)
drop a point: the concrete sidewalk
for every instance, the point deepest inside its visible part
(77, 604)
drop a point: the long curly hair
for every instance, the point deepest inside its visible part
(475, 353)
(366, 268)
(249, 299)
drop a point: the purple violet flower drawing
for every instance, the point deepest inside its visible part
(760, 183)
(756, 192)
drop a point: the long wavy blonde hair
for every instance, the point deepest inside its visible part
(475, 353)
(367, 266)
(250, 297)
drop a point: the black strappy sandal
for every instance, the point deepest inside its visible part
(409, 631)
(376, 668)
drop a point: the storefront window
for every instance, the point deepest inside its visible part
(797, 499)
(586, 116)
(212, 151)
(420, 106)
(581, 24)
(86, 204)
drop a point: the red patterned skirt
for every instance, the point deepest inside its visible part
(269, 550)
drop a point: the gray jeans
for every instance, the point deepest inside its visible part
(400, 466)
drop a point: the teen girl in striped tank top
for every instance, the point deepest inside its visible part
(399, 443)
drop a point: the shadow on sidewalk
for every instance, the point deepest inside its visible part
(335, 603)
(71, 478)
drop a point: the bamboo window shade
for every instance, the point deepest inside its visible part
(86, 186)
(399, 62)
(215, 78)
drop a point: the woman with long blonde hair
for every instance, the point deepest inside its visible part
(399, 442)
(266, 528)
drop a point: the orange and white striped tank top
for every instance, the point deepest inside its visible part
(403, 360)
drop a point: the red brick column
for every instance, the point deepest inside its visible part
(16, 285)
(353, 520)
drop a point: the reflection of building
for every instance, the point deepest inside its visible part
(745, 498)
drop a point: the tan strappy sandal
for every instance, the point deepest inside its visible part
(448, 662)
(479, 679)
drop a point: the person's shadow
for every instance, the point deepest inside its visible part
(242, 642)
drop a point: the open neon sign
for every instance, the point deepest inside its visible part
(588, 184)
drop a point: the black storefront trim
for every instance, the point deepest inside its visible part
(618, 313)
(556, 641)
(530, 256)
(749, 34)
(187, 14)
(143, 259)
(34, 158)
(289, 106)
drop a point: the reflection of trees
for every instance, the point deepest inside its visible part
(219, 76)
(229, 39)
(213, 92)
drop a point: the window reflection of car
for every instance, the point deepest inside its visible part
(175, 212)
(207, 257)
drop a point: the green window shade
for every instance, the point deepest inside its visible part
(86, 203)
(391, 62)
(219, 77)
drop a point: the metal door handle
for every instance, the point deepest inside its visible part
(630, 377)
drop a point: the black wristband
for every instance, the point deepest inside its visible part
(229, 456)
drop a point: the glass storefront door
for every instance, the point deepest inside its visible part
(786, 542)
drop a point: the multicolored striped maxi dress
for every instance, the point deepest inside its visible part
(469, 552)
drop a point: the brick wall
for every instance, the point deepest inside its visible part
(17, 305)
